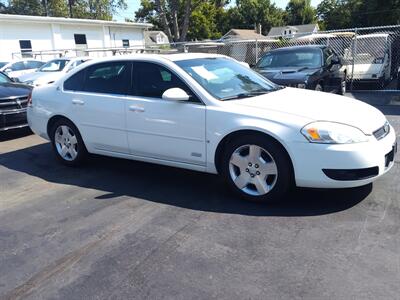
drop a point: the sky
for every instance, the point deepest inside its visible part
(133, 5)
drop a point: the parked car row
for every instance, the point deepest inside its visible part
(17, 79)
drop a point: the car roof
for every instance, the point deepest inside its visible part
(294, 48)
(157, 57)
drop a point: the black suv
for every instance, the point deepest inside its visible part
(315, 67)
(13, 103)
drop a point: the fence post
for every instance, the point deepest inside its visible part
(353, 53)
(256, 51)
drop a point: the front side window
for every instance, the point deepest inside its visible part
(225, 78)
(4, 78)
(55, 65)
(310, 58)
(153, 80)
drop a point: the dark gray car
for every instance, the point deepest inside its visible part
(315, 67)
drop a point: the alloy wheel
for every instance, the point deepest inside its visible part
(66, 143)
(253, 170)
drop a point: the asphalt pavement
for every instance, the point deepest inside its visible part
(117, 229)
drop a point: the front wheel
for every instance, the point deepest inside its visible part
(257, 168)
(342, 87)
(67, 143)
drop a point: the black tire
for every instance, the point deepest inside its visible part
(342, 87)
(284, 180)
(319, 87)
(80, 146)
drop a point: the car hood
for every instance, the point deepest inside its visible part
(13, 90)
(298, 73)
(317, 106)
(40, 76)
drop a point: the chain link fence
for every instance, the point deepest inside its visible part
(370, 56)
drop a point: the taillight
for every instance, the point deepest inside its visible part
(30, 99)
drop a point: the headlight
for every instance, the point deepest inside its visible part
(301, 85)
(333, 133)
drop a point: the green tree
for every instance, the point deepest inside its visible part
(248, 14)
(334, 14)
(89, 9)
(203, 22)
(300, 12)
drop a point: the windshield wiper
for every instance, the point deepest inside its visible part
(246, 95)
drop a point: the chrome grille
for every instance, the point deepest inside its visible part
(13, 103)
(382, 131)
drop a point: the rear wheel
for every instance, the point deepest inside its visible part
(257, 168)
(67, 143)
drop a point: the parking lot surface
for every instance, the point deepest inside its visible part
(116, 229)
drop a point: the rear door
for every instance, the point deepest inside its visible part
(97, 95)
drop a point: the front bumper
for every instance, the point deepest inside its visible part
(13, 119)
(310, 160)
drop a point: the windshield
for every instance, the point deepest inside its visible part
(311, 58)
(4, 78)
(225, 78)
(3, 63)
(56, 65)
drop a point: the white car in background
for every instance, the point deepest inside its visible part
(372, 58)
(16, 68)
(209, 113)
(51, 71)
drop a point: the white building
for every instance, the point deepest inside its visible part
(20, 36)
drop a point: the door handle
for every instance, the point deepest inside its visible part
(135, 108)
(77, 101)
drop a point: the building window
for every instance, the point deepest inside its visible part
(26, 48)
(125, 43)
(80, 39)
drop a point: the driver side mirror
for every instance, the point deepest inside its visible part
(175, 94)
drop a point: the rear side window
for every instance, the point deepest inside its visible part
(106, 78)
(109, 78)
(75, 82)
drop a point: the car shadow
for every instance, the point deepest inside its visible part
(172, 186)
(15, 134)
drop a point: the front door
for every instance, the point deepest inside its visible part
(161, 129)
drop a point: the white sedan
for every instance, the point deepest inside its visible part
(210, 113)
(52, 70)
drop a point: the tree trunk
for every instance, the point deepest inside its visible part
(163, 18)
(174, 15)
(186, 20)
